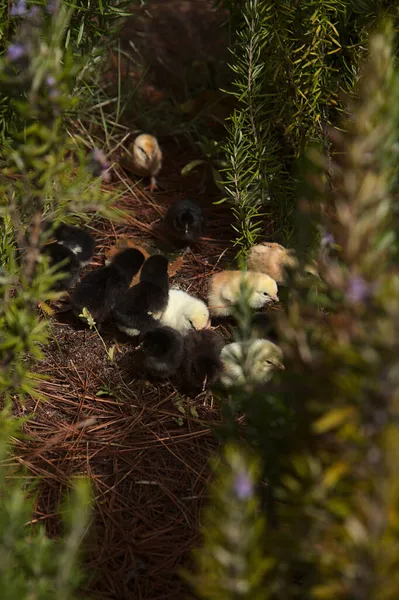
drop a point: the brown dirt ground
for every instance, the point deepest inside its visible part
(147, 462)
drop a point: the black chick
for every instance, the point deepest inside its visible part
(163, 350)
(70, 268)
(100, 290)
(202, 364)
(185, 221)
(77, 240)
(135, 311)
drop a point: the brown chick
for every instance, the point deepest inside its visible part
(271, 258)
(146, 158)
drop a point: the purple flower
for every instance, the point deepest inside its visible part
(327, 240)
(19, 8)
(50, 80)
(243, 486)
(15, 52)
(358, 289)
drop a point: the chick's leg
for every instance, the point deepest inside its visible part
(153, 184)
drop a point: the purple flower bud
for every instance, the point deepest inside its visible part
(19, 8)
(50, 80)
(327, 240)
(243, 486)
(15, 52)
(358, 289)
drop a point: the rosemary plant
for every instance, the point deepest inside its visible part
(40, 179)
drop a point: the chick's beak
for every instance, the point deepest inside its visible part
(280, 366)
(208, 323)
(275, 298)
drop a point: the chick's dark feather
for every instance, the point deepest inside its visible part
(202, 364)
(100, 290)
(185, 221)
(163, 350)
(133, 311)
(77, 240)
(70, 268)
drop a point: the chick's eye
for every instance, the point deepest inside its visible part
(265, 294)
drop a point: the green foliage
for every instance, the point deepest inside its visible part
(211, 164)
(251, 160)
(292, 63)
(41, 180)
(92, 27)
(95, 25)
(230, 563)
(40, 177)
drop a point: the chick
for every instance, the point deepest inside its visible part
(184, 312)
(69, 268)
(185, 221)
(202, 364)
(271, 258)
(100, 290)
(137, 309)
(147, 158)
(162, 350)
(224, 290)
(77, 240)
(252, 361)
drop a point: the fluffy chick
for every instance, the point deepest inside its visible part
(271, 258)
(147, 158)
(137, 309)
(162, 350)
(100, 290)
(77, 240)
(252, 361)
(185, 221)
(202, 364)
(224, 290)
(184, 312)
(70, 268)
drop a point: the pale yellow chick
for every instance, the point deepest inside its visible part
(147, 158)
(184, 312)
(253, 362)
(224, 290)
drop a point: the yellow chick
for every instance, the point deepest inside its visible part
(224, 290)
(184, 312)
(147, 158)
(271, 258)
(253, 361)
